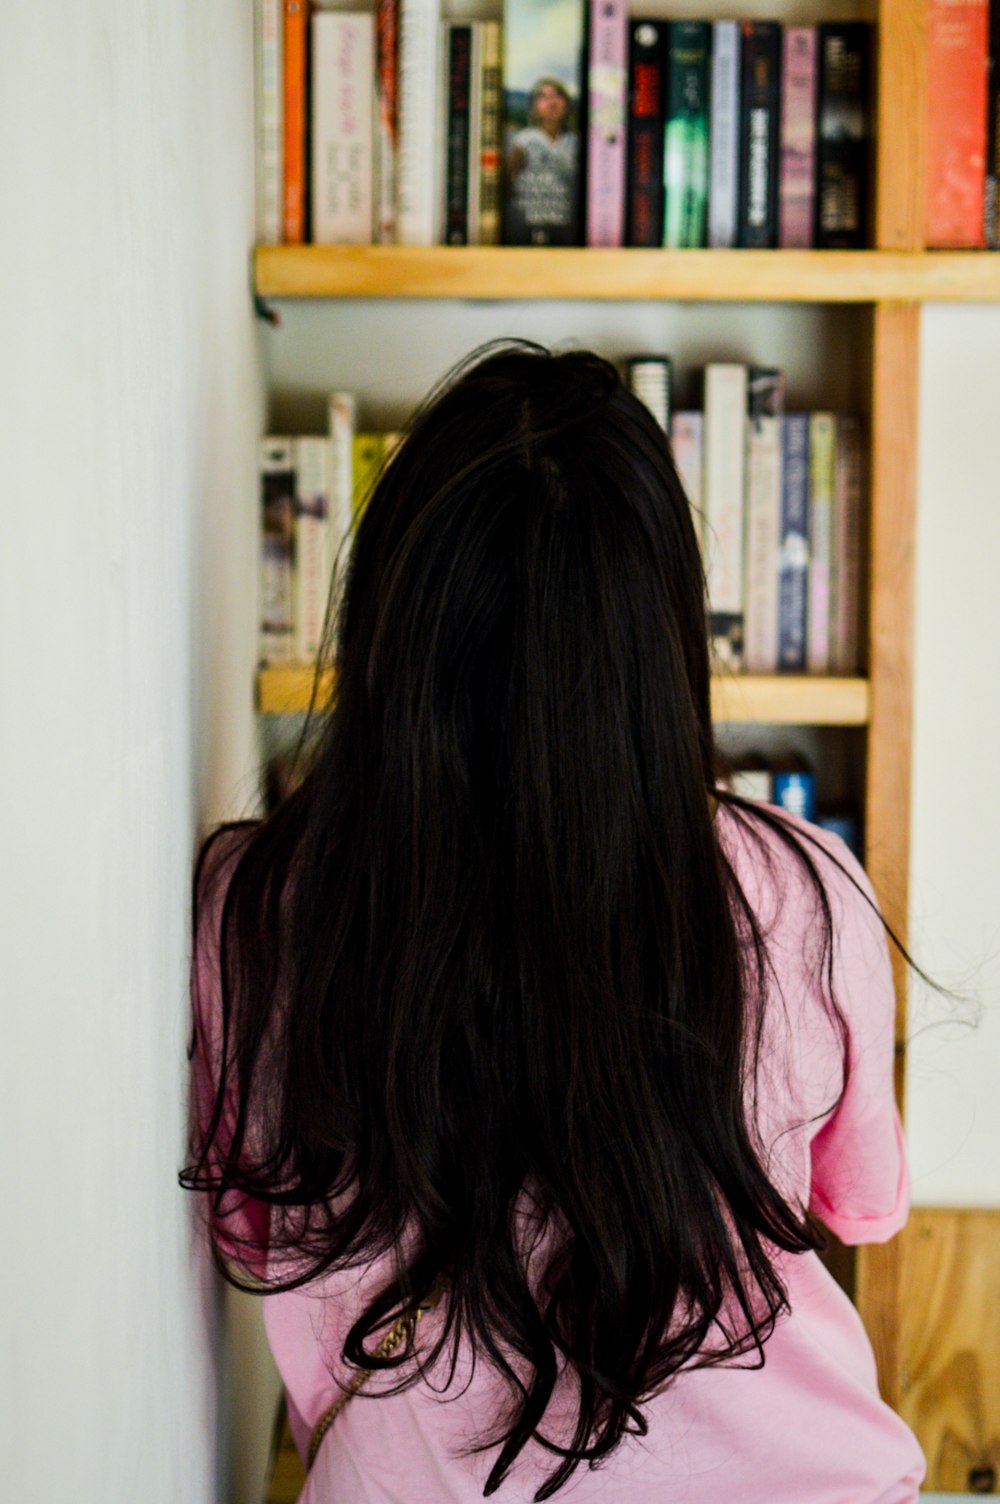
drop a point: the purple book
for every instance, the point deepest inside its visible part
(797, 183)
(607, 86)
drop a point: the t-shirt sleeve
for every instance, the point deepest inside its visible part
(238, 1223)
(859, 1177)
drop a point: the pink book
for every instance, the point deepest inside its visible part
(797, 182)
(608, 96)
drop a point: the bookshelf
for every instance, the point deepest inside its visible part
(892, 280)
(517, 272)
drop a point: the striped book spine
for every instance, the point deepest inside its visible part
(607, 83)
(797, 185)
(386, 18)
(845, 591)
(418, 121)
(312, 528)
(766, 394)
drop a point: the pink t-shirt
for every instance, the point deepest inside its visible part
(806, 1428)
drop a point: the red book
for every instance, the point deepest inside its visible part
(294, 216)
(957, 63)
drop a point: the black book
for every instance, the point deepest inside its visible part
(760, 133)
(991, 223)
(647, 58)
(456, 203)
(843, 135)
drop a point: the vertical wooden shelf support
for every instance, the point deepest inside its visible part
(899, 226)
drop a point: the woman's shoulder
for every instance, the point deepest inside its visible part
(778, 858)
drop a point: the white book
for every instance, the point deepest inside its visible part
(276, 471)
(341, 420)
(311, 575)
(845, 581)
(687, 433)
(822, 473)
(724, 481)
(724, 134)
(344, 108)
(419, 87)
(763, 522)
(269, 109)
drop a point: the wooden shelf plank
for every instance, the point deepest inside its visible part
(778, 699)
(518, 272)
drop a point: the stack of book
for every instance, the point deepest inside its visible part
(391, 126)
(312, 491)
(778, 499)
(963, 124)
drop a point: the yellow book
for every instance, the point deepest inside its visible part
(369, 453)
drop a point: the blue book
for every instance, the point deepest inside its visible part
(795, 792)
(793, 557)
(847, 827)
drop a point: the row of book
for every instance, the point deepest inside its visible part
(778, 499)
(790, 783)
(569, 123)
(312, 490)
(573, 124)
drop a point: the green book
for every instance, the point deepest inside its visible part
(686, 148)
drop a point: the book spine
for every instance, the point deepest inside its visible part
(724, 177)
(369, 453)
(755, 784)
(760, 102)
(607, 84)
(797, 187)
(312, 530)
(474, 154)
(343, 104)
(647, 99)
(685, 167)
(543, 201)
(418, 121)
(650, 379)
(268, 74)
(276, 469)
(846, 591)
(843, 136)
(822, 480)
(957, 66)
(794, 547)
(795, 792)
(991, 197)
(341, 419)
(387, 79)
(294, 121)
(765, 396)
(686, 438)
(725, 473)
(458, 63)
(490, 138)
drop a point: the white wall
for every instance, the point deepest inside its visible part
(953, 1115)
(130, 398)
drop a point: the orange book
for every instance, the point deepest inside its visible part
(957, 67)
(294, 215)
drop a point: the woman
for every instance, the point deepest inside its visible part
(542, 172)
(510, 1017)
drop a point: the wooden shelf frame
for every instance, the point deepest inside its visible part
(763, 699)
(555, 272)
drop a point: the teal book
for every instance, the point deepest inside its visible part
(686, 140)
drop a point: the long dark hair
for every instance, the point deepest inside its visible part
(491, 953)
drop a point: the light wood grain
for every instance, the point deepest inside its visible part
(950, 1345)
(779, 699)
(901, 128)
(519, 272)
(895, 376)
